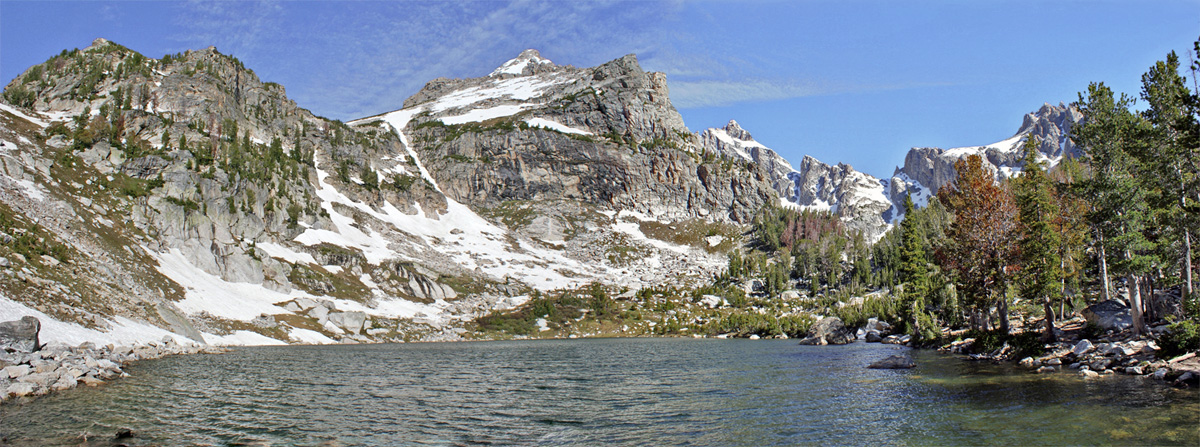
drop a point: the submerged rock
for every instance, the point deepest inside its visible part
(894, 362)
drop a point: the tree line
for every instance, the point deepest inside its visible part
(1116, 219)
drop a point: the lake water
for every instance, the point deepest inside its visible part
(602, 392)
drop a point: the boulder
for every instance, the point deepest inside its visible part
(874, 337)
(1088, 374)
(1054, 362)
(829, 331)
(320, 313)
(351, 322)
(1187, 379)
(873, 324)
(1134, 370)
(1029, 362)
(21, 389)
(1046, 369)
(16, 371)
(1082, 347)
(20, 335)
(1109, 315)
(712, 301)
(1161, 373)
(894, 362)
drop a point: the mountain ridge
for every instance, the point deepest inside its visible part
(216, 209)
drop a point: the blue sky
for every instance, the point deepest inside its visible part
(844, 81)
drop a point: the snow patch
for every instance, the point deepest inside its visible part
(480, 115)
(241, 338)
(209, 293)
(552, 125)
(123, 330)
(35, 120)
(278, 251)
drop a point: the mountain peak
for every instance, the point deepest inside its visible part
(736, 131)
(520, 64)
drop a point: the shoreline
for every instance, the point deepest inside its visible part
(56, 367)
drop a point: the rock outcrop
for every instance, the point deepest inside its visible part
(926, 169)
(1109, 315)
(606, 136)
(20, 335)
(829, 331)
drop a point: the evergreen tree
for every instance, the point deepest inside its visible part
(913, 272)
(1119, 214)
(1171, 160)
(1041, 267)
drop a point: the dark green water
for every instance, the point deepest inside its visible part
(603, 392)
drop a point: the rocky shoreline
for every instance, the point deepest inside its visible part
(1115, 352)
(29, 369)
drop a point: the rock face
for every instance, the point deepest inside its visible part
(860, 200)
(734, 142)
(872, 205)
(606, 136)
(926, 169)
(829, 331)
(894, 362)
(20, 335)
(1109, 315)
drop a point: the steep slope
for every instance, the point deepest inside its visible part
(205, 198)
(184, 195)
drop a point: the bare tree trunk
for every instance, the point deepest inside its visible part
(1105, 290)
(1135, 305)
(1151, 298)
(1003, 311)
(1187, 264)
(1048, 336)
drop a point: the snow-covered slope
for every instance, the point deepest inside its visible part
(860, 200)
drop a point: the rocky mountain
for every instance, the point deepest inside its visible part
(857, 198)
(928, 168)
(872, 205)
(184, 196)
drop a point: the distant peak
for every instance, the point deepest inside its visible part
(736, 131)
(99, 42)
(518, 65)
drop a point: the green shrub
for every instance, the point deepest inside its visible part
(1181, 337)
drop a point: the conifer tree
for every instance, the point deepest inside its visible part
(1041, 267)
(913, 271)
(1171, 160)
(1119, 214)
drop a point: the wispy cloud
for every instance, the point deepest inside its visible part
(695, 94)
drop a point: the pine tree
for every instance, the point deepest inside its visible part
(1041, 266)
(1171, 161)
(913, 272)
(1119, 214)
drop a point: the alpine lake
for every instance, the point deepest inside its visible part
(616, 391)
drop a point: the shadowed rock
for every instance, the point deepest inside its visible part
(20, 335)
(829, 331)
